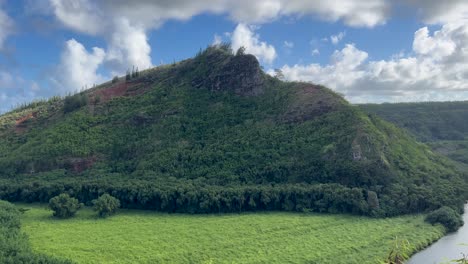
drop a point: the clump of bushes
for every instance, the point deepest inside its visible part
(74, 102)
(446, 216)
(106, 205)
(64, 206)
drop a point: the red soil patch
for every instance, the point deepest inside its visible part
(120, 89)
(25, 118)
(111, 92)
(20, 126)
(81, 164)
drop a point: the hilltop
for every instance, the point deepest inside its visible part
(214, 133)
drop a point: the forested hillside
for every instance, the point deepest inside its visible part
(442, 125)
(216, 134)
(429, 122)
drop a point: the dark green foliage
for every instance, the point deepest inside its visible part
(14, 245)
(64, 206)
(240, 51)
(128, 76)
(446, 216)
(442, 125)
(74, 102)
(106, 205)
(216, 134)
(115, 79)
(432, 121)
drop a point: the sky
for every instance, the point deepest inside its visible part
(368, 50)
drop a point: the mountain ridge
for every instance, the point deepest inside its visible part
(215, 133)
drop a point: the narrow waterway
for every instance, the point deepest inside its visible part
(447, 248)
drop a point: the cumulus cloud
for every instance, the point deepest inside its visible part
(352, 12)
(244, 36)
(6, 26)
(437, 69)
(128, 47)
(153, 13)
(344, 69)
(80, 15)
(335, 39)
(439, 12)
(78, 67)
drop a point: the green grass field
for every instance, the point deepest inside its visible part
(134, 236)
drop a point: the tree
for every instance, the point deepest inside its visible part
(115, 79)
(279, 74)
(64, 206)
(128, 76)
(240, 51)
(106, 205)
(446, 216)
(372, 200)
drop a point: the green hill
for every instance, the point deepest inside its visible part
(429, 122)
(442, 125)
(216, 134)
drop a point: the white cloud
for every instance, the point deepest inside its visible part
(343, 70)
(439, 12)
(315, 52)
(244, 36)
(352, 12)
(78, 67)
(128, 47)
(217, 39)
(335, 39)
(81, 15)
(436, 70)
(288, 44)
(6, 26)
(152, 13)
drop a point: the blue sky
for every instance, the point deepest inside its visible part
(370, 51)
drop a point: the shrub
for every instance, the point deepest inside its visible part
(106, 205)
(64, 206)
(446, 216)
(74, 102)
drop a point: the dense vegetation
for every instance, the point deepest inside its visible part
(14, 245)
(442, 125)
(431, 121)
(216, 134)
(446, 216)
(134, 236)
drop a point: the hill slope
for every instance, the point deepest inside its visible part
(442, 125)
(214, 133)
(431, 121)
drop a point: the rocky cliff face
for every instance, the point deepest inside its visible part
(241, 73)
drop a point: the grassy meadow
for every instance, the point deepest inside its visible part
(134, 236)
